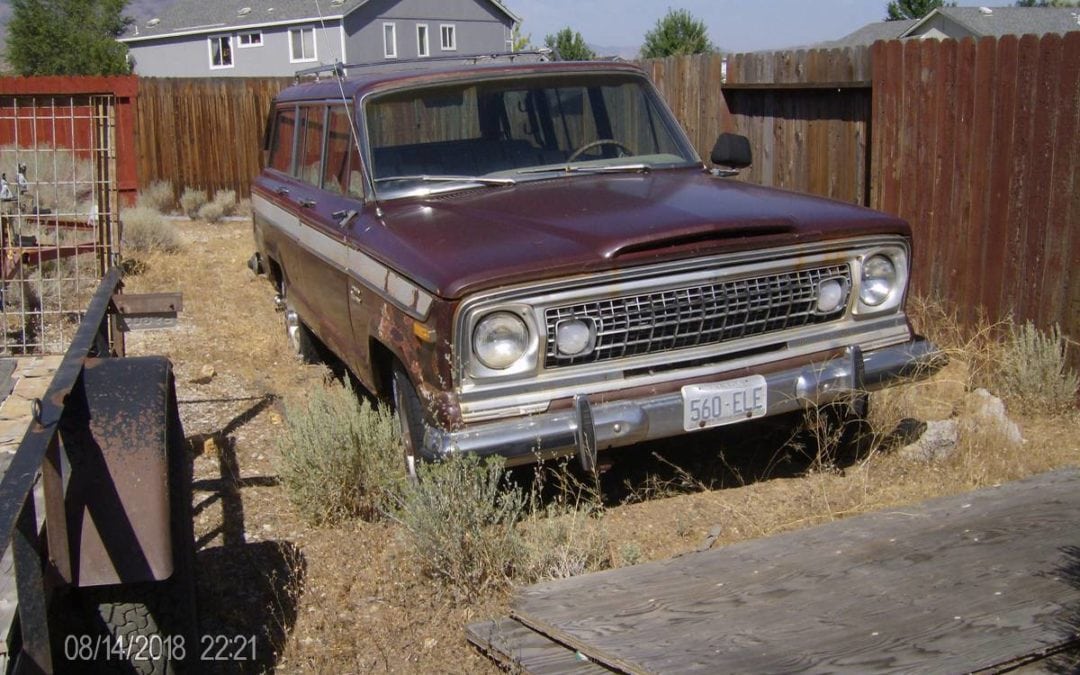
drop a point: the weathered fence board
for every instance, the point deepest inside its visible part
(203, 133)
(976, 145)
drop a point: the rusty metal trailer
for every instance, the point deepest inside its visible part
(96, 505)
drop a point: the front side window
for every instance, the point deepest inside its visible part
(422, 40)
(449, 37)
(302, 44)
(281, 140)
(221, 52)
(389, 41)
(310, 147)
(249, 39)
(341, 174)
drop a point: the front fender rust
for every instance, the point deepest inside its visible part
(427, 364)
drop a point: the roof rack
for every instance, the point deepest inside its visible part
(338, 69)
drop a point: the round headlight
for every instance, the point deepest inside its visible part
(830, 296)
(878, 280)
(500, 339)
(573, 336)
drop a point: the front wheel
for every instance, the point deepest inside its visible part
(410, 416)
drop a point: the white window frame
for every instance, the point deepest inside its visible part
(249, 34)
(389, 46)
(423, 47)
(210, 48)
(452, 32)
(314, 45)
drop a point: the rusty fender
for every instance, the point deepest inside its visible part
(123, 442)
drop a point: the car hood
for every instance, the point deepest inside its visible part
(461, 242)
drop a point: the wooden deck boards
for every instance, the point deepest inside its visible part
(953, 585)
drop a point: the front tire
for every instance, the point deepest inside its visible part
(410, 416)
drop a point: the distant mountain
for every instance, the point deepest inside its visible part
(624, 51)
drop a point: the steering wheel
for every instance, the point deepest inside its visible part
(593, 144)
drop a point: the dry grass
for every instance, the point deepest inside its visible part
(366, 605)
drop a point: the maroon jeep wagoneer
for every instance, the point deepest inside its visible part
(531, 260)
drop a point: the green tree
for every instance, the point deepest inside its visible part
(899, 10)
(519, 42)
(677, 33)
(570, 45)
(67, 37)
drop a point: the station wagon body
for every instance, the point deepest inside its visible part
(532, 260)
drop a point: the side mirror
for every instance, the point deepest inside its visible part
(732, 151)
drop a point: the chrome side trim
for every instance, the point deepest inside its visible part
(385, 282)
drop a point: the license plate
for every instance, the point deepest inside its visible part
(718, 403)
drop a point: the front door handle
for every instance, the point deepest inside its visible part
(307, 203)
(281, 190)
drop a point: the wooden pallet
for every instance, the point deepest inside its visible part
(982, 581)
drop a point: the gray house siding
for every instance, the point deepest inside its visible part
(941, 27)
(189, 56)
(184, 46)
(478, 28)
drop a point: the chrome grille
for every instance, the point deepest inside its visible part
(670, 319)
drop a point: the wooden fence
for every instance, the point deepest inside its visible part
(976, 144)
(203, 133)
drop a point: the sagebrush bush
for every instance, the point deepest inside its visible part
(461, 520)
(59, 180)
(473, 529)
(341, 457)
(1033, 371)
(191, 201)
(145, 230)
(211, 212)
(226, 199)
(157, 196)
(243, 208)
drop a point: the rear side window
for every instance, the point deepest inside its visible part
(309, 151)
(342, 170)
(281, 141)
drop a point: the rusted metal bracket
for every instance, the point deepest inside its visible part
(147, 311)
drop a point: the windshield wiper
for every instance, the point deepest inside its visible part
(449, 179)
(609, 168)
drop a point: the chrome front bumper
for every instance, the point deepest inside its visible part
(586, 428)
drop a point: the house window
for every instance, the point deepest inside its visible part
(421, 40)
(302, 44)
(389, 33)
(249, 39)
(221, 52)
(449, 37)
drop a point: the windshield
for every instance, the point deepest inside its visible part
(437, 139)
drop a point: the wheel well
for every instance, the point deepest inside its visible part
(273, 270)
(382, 368)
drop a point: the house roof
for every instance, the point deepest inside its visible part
(871, 33)
(198, 17)
(1000, 21)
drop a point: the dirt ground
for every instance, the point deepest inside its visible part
(349, 599)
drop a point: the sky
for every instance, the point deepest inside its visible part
(734, 25)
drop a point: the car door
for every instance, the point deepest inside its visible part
(315, 270)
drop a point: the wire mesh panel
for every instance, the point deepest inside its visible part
(58, 202)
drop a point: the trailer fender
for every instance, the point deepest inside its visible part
(122, 446)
